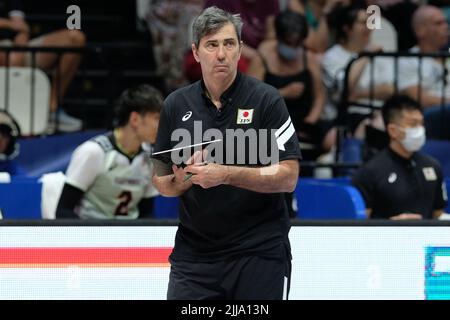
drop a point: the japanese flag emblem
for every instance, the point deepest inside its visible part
(244, 116)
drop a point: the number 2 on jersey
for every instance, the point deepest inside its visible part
(125, 198)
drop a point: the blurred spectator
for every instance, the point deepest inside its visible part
(433, 89)
(170, 22)
(386, 34)
(9, 148)
(316, 11)
(14, 31)
(109, 176)
(401, 183)
(295, 72)
(399, 13)
(353, 37)
(444, 5)
(258, 20)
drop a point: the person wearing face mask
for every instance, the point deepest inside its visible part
(286, 65)
(401, 183)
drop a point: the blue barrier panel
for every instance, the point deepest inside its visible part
(21, 199)
(322, 200)
(165, 207)
(39, 155)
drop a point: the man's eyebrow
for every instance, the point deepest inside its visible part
(216, 41)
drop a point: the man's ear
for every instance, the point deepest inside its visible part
(134, 116)
(392, 130)
(195, 52)
(419, 31)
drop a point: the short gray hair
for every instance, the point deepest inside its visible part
(211, 20)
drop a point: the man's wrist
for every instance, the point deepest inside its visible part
(228, 171)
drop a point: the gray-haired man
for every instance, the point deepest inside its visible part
(232, 241)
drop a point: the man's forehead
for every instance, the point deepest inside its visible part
(436, 16)
(411, 115)
(225, 32)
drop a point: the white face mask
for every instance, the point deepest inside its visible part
(414, 138)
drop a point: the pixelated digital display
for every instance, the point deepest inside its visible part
(130, 262)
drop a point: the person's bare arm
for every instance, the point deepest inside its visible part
(296, 6)
(437, 213)
(426, 100)
(270, 28)
(256, 68)
(281, 177)
(356, 70)
(248, 52)
(319, 91)
(5, 23)
(402, 216)
(19, 24)
(172, 185)
(380, 92)
(318, 40)
(407, 216)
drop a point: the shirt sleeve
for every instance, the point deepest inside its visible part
(333, 73)
(86, 164)
(164, 129)
(362, 180)
(277, 120)
(441, 199)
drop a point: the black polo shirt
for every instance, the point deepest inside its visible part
(391, 185)
(225, 221)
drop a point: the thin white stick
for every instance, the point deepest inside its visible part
(192, 145)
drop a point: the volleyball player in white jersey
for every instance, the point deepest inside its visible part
(109, 176)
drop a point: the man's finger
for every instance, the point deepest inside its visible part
(192, 169)
(196, 157)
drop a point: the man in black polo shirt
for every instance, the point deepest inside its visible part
(401, 183)
(232, 241)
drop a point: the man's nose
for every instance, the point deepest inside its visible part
(221, 52)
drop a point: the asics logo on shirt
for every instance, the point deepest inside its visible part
(392, 178)
(187, 116)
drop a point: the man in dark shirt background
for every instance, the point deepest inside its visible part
(401, 183)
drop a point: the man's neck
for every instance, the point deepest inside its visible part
(127, 141)
(216, 89)
(398, 149)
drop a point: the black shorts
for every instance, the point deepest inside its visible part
(244, 278)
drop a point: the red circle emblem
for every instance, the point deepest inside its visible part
(245, 114)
